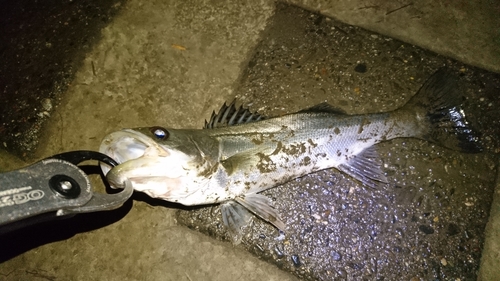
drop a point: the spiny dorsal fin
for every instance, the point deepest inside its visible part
(323, 107)
(229, 115)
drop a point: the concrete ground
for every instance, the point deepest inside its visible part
(168, 62)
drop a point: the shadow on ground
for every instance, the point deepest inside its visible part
(42, 45)
(22, 240)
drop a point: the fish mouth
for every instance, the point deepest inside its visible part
(126, 145)
(153, 168)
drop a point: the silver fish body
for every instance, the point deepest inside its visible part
(233, 164)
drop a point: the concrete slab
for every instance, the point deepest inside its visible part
(42, 45)
(491, 253)
(468, 31)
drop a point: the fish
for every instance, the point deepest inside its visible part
(239, 153)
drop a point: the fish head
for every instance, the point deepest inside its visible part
(160, 162)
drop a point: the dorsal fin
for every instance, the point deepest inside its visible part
(229, 115)
(323, 107)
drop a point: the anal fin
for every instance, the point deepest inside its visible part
(365, 167)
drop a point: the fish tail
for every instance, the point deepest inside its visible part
(438, 104)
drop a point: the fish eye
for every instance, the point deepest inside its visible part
(159, 132)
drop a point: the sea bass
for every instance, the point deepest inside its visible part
(239, 154)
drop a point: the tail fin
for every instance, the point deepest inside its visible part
(439, 98)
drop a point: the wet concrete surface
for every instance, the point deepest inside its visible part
(489, 259)
(428, 222)
(42, 45)
(444, 26)
(172, 63)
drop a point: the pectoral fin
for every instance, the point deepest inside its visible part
(365, 167)
(246, 160)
